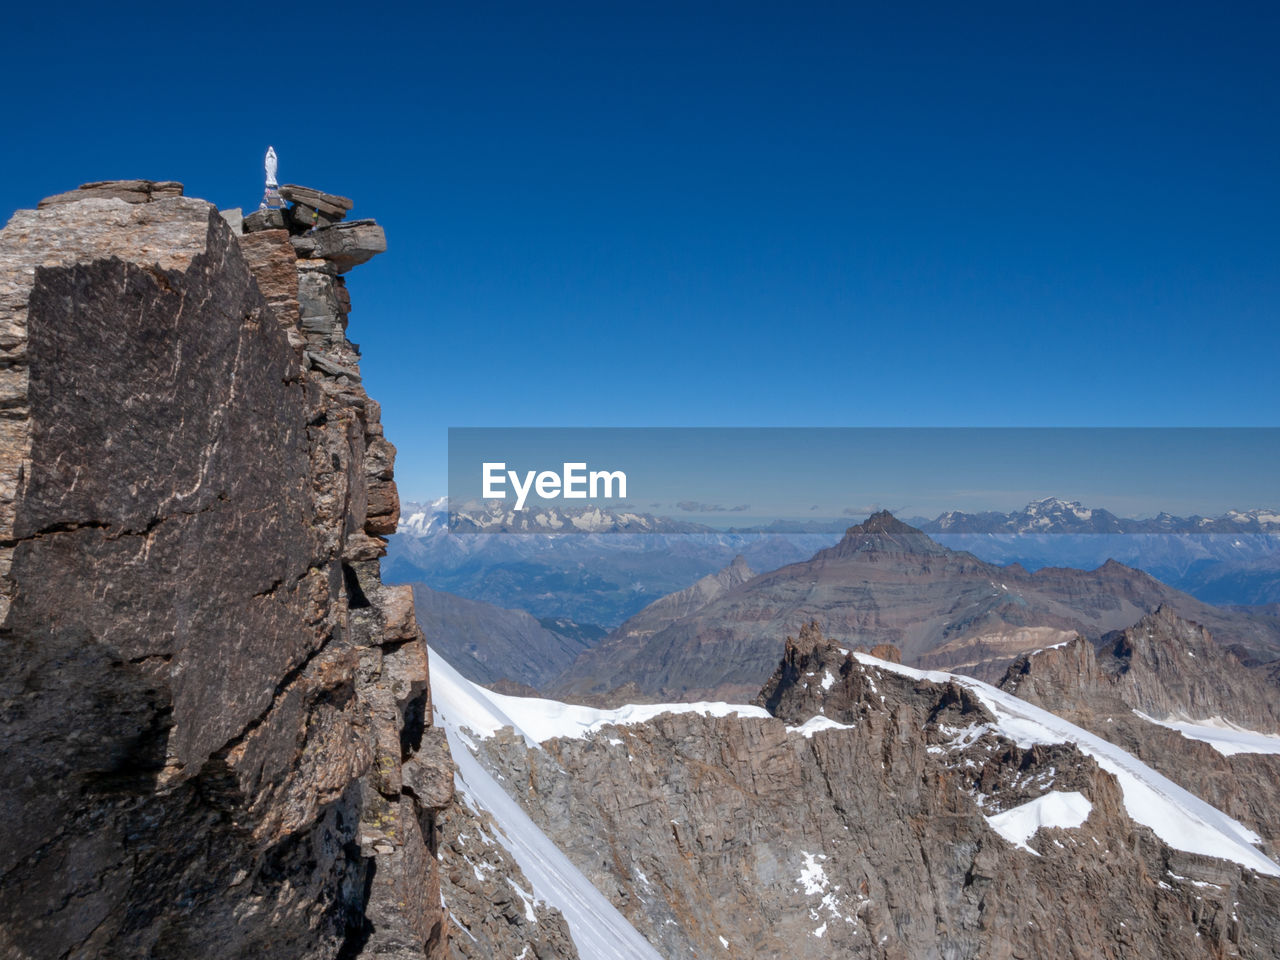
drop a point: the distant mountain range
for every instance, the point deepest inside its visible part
(496, 517)
(888, 582)
(1057, 516)
(598, 578)
(1229, 559)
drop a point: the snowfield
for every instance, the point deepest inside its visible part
(484, 712)
(1223, 735)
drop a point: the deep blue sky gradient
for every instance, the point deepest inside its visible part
(726, 214)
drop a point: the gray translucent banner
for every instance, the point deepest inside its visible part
(1220, 481)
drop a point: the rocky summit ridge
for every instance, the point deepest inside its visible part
(876, 811)
(217, 733)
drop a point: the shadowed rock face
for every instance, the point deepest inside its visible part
(737, 836)
(887, 582)
(216, 729)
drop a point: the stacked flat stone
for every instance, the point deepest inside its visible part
(314, 207)
(318, 229)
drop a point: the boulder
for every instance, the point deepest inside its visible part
(268, 219)
(131, 191)
(235, 219)
(345, 245)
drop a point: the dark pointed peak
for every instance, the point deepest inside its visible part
(811, 635)
(884, 533)
(882, 522)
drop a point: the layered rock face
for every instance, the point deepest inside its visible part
(1167, 669)
(216, 724)
(865, 832)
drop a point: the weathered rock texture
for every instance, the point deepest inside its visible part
(737, 837)
(491, 903)
(887, 582)
(1168, 669)
(216, 730)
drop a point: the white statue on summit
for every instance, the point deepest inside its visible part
(271, 196)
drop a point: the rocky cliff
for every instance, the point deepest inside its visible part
(217, 734)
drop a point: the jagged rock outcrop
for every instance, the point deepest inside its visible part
(216, 729)
(130, 191)
(865, 832)
(886, 582)
(1165, 666)
(1166, 669)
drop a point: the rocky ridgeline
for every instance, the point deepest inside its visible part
(744, 837)
(216, 722)
(1170, 669)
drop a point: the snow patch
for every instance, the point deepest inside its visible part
(526, 899)
(812, 876)
(483, 712)
(816, 724)
(1055, 809)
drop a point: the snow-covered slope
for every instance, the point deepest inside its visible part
(1178, 817)
(484, 712)
(1224, 736)
(1056, 808)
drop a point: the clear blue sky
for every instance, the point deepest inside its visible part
(726, 214)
